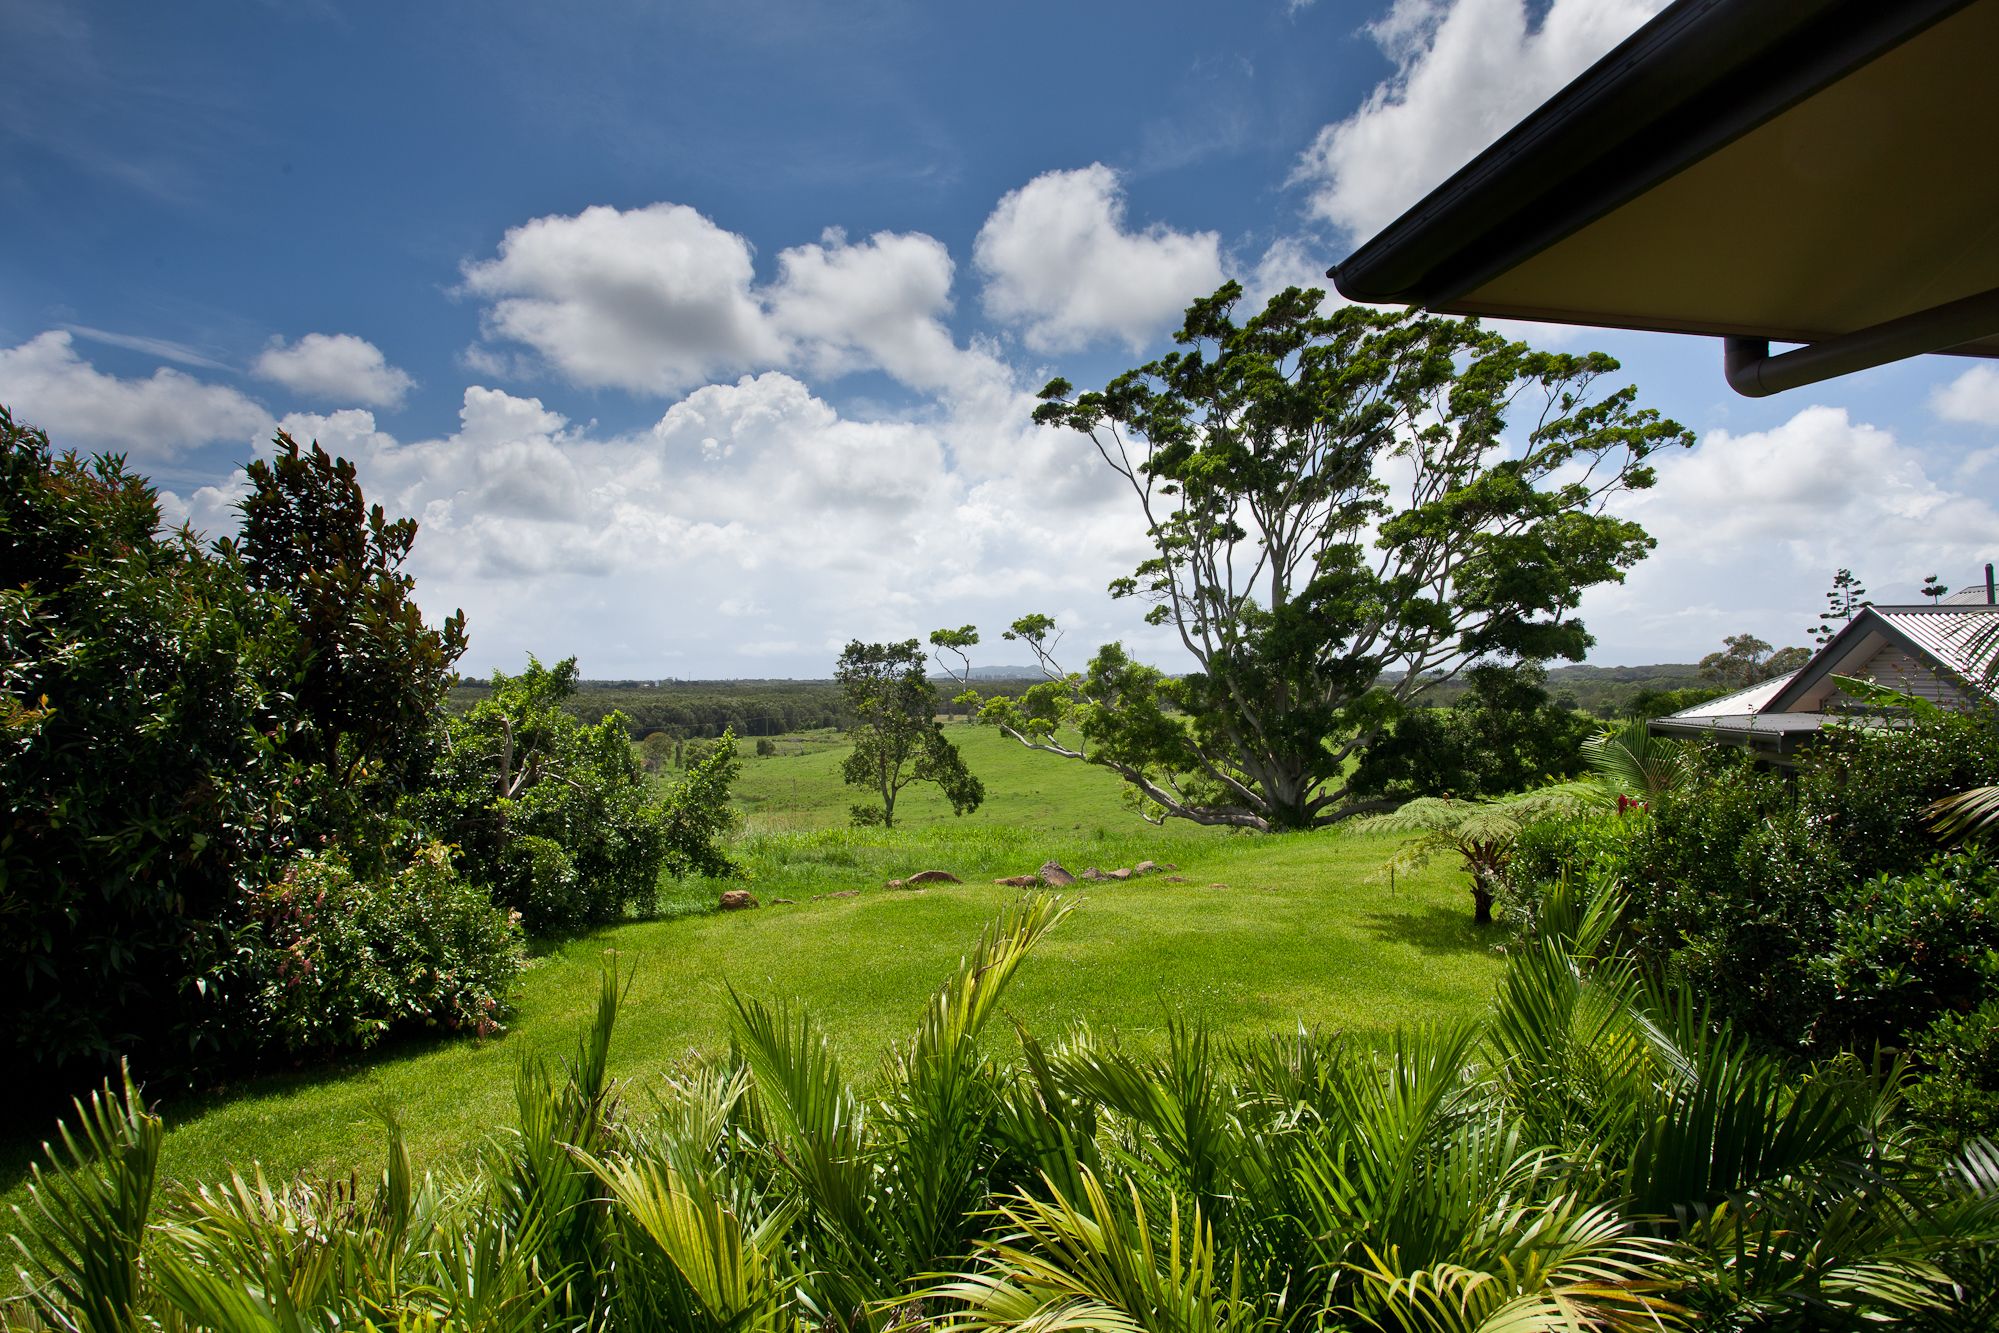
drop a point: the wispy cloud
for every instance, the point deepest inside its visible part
(165, 349)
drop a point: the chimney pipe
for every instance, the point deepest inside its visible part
(1991, 593)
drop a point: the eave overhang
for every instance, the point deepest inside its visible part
(1785, 170)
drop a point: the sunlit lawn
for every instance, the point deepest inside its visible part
(1261, 933)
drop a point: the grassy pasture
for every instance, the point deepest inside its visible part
(1265, 932)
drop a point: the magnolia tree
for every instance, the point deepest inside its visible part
(1346, 509)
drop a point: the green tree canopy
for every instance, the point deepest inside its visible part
(1746, 660)
(366, 676)
(1503, 734)
(897, 739)
(1345, 509)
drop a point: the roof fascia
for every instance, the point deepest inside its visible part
(1698, 76)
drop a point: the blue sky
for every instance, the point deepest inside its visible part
(700, 337)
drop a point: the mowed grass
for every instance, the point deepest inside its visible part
(1260, 933)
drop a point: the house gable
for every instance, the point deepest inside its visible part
(1948, 655)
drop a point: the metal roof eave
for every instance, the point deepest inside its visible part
(1698, 76)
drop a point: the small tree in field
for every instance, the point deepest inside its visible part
(897, 739)
(1345, 510)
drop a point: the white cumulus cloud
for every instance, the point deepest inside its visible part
(1751, 528)
(337, 367)
(659, 300)
(1972, 396)
(750, 525)
(47, 384)
(1466, 71)
(650, 299)
(1060, 262)
(879, 303)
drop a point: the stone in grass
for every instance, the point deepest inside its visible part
(1145, 867)
(1122, 872)
(1019, 881)
(1218, 886)
(1054, 876)
(783, 902)
(1093, 873)
(933, 877)
(735, 900)
(843, 893)
(1176, 879)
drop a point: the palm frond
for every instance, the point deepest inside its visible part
(1734, 1122)
(1964, 814)
(735, 1271)
(1178, 1101)
(1628, 760)
(90, 1205)
(1559, 1267)
(1092, 1264)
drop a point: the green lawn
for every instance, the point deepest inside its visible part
(1265, 932)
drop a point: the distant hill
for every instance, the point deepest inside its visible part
(1601, 690)
(1005, 673)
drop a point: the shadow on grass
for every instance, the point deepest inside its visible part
(1433, 928)
(22, 1135)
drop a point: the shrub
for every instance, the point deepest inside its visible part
(557, 818)
(178, 721)
(1958, 1058)
(1580, 849)
(1908, 948)
(1756, 891)
(340, 960)
(137, 783)
(1862, 790)
(1729, 895)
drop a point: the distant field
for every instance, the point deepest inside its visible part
(1265, 933)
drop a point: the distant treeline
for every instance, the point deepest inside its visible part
(1607, 691)
(690, 709)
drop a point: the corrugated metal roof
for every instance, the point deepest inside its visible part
(1765, 722)
(1964, 639)
(1731, 705)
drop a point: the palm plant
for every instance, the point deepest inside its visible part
(1556, 1265)
(546, 1195)
(1782, 1192)
(883, 1197)
(1599, 1154)
(1629, 761)
(1097, 1266)
(91, 1207)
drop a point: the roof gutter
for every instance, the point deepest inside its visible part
(1752, 371)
